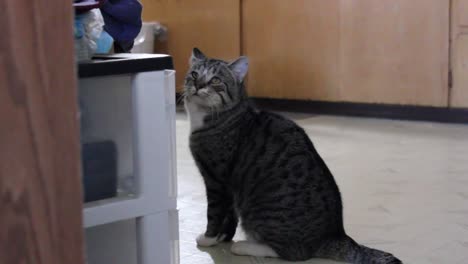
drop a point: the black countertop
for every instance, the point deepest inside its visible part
(124, 63)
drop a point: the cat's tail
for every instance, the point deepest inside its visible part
(346, 249)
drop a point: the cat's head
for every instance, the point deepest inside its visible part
(215, 84)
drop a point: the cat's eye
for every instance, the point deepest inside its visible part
(194, 75)
(215, 81)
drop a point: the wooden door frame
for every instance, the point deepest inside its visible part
(40, 186)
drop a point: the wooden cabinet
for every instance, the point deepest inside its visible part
(459, 59)
(211, 25)
(389, 51)
(293, 48)
(394, 51)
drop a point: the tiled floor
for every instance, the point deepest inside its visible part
(404, 185)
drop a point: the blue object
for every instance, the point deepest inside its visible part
(104, 43)
(122, 20)
(79, 27)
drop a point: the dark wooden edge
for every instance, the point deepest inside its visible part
(127, 63)
(387, 111)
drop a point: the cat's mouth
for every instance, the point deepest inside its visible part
(190, 93)
(196, 93)
(200, 94)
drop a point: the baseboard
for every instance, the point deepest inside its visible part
(387, 111)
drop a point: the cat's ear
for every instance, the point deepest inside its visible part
(240, 67)
(197, 56)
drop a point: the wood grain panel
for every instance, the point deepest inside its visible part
(459, 17)
(211, 25)
(395, 51)
(459, 93)
(293, 48)
(459, 13)
(459, 60)
(40, 186)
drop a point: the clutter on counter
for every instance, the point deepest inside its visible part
(106, 26)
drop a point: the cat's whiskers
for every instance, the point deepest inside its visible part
(182, 95)
(214, 109)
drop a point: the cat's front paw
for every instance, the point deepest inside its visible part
(204, 241)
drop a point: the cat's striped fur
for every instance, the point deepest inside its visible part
(262, 168)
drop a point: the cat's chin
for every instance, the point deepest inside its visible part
(195, 99)
(204, 241)
(198, 103)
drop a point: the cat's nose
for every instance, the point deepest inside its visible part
(197, 90)
(199, 87)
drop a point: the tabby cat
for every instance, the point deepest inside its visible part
(263, 169)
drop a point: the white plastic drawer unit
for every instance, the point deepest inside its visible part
(128, 101)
